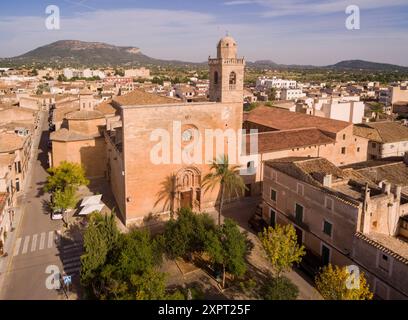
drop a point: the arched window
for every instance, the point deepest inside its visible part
(215, 77)
(233, 78)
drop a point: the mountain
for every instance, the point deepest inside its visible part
(76, 53)
(81, 53)
(366, 65)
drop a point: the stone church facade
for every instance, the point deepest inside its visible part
(120, 139)
(144, 188)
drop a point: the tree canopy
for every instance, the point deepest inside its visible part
(67, 174)
(281, 247)
(227, 246)
(187, 233)
(121, 266)
(332, 283)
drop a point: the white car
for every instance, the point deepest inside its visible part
(56, 215)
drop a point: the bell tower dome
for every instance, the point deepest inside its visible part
(226, 73)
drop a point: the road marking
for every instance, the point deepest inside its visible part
(34, 243)
(72, 250)
(72, 270)
(42, 241)
(72, 264)
(17, 247)
(75, 245)
(50, 239)
(25, 245)
(64, 261)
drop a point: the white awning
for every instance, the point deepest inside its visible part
(91, 200)
(91, 208)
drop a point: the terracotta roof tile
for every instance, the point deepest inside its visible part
(289, 139)
(280, 119)
(140, 97)
(85, 115)
(10, 142)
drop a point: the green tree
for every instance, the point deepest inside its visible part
(227, 177)
(377, 109)
(332, 282)
(67, 174)
(100, 238)
(227, 246)
(279, 289)
(187, 234)
(63, 200)
(119, 72)
(61, 78)
(281, 247)
(121, 266)
(271, 94)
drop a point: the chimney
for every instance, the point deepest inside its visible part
(327, 180)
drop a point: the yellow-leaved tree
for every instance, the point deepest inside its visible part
(332, 283)
(281, 247)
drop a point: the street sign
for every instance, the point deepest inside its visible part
(67, 280)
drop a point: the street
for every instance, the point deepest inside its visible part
(37, 244)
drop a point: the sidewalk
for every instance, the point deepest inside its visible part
(241, 212)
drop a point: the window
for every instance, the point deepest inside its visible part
(272, 217)
(273, 195)
(325, 255)
(329, 203)
(344, 137)
(383, 262)
(300, 189)
(17, 185)
(298, 212)
(327, 228)
(343, 150)
(233, 78)
(358, 149)
(374, 145)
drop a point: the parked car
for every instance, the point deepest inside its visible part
(257, 223)
(56, 215)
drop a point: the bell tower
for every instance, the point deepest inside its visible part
(226, 73)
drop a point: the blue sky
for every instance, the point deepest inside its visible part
(285, 31)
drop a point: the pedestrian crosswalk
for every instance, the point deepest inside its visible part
(36, 242)
(71, 257)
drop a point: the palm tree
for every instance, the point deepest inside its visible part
(377, 109)
(167, 194)
(227, 177)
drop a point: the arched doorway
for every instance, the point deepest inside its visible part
(188, 182)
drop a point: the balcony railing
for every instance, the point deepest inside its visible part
(226, 61)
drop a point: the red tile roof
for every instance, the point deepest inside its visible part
(290, 139)
(280, 119)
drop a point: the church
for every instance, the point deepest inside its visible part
(123, 148)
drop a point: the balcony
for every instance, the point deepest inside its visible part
(226, 61)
